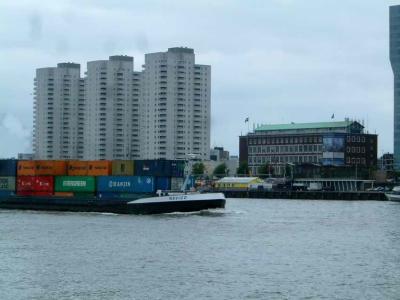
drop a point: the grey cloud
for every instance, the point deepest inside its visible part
(35, 23)
(142, 42)
(14, 133)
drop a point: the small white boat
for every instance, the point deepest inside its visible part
(394, 195)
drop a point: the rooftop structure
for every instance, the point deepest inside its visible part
(343, 126)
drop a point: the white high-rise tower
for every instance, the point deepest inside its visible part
(111, 109)
(117, 113)
(56, 96)
(175, 105)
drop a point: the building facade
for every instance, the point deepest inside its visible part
(385, 162)
(395, 62)
(111, 110)
(115, 112)
(55, 121)
(218, 153)
(175, 105)
(324, 144)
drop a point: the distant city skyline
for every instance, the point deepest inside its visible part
(275, 62)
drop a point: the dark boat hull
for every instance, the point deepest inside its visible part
(119, 206)
(178, 206)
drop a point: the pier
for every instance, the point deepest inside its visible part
(306, 195)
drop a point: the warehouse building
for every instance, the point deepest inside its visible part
(283, 146)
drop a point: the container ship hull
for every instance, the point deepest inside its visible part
(134, 205)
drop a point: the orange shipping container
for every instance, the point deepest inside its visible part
(51, 167)
(26, 168)
(77, 168)
(63, 194)
(99, 168)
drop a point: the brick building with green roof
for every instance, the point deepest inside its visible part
(339, 143)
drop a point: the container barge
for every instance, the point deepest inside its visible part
(128, 187)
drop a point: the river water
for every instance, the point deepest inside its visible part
(254, 249)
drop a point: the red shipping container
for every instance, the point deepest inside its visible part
(31, 193)
(24, 183)
(43, 184)
(35, 183)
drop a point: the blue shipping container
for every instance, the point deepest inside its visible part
(150, 167)
(125, 184)
(176, 168)
(163, 183)
(160, 168)
(8, 167)
(4, 194)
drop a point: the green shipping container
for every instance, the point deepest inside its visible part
(7, 183)
(122, 168)
(80, 184)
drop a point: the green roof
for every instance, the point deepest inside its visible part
(296, 126)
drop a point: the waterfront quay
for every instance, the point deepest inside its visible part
(306, 195)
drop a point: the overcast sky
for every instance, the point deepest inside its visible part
(274, 61)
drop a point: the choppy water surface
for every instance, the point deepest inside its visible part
(254, 249)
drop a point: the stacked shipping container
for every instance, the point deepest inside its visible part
(35, 185)
(159, 168)
(169, 173)
(119, 178)
(123, 186)
(89, 168)
(122, 168)
(8, 173)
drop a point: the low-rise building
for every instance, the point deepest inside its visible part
(283, 146)
(239, 183)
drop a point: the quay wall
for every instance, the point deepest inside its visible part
(306, 195)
